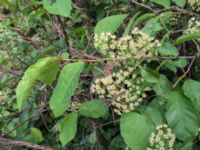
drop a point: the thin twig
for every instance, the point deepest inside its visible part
(180, 78)
(9, 142)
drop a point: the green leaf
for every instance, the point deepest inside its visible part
(38, 71)
(94, 109)
(117, 143)
(130, 24)
(191, 89)
(180, 3)
(60, 7)
(182, 117)
(184, 146)
(143, 18)
(109, 24)
(136, 129)
(152, 27)
(67, 128)
(150, 75)
(66, 85)
(162, 87)
(164, 3)
(37, 135)
(187, 37)
(154, 114)
(167, 49)
(173, 65)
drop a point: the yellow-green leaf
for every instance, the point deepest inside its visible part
(66, 85)
(67, 128)
(44, 69)
(37, 135)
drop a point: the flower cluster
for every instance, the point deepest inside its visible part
(124, 88)
(193, 26)
(195, 5)
(175, 19)
(137, 45)
(3, 96)
(74, 106)
(162, 139)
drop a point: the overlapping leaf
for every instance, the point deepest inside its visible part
(44, 70)
(66, 85)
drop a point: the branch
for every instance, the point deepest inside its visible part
(180, 78)
(9, 142)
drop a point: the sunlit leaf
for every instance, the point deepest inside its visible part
(66, 85)
(44, 70)
(109, 24)
(67, 128)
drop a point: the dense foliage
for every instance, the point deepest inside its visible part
(100, 75)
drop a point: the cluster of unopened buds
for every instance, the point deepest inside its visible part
(162, 139)
(125, 90)
(193, 26)
(138, 45)
(195, 5)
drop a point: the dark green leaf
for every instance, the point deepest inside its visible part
(182, 117)
(187, 37)
(150, 75)
(191, 89)
(66, 85)
(136, 129)
(94, 109)
(173, 65)
(164, 3)
(154, 114)
(162, 87)
(167, 49)
(143, 18)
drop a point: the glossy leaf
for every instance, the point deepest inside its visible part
(182, 117)
(37, 135)
(109, 24)
(38, 71)
(191, 89)
(94, 109)
(67, 128)
(66, 85)
(136, 129)
(59, 7)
